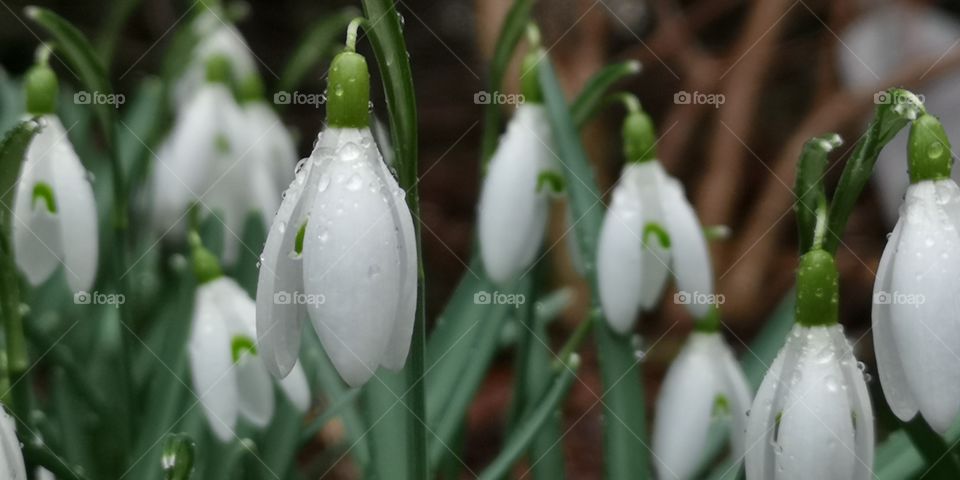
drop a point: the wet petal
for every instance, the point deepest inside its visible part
(691, 261)
(296, 388)
(211, 364)
(893, 379)
(926, 332)
(254, 390)
(352, 259)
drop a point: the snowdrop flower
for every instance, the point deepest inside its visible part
(227, 376)
(217, 38)
(214, 158)
(703, 382)
(55, 217)
(915, 326)
(649, 231)
(812, 417)
(341, 247)
(11, 457)
(270, 149)
(515, 195)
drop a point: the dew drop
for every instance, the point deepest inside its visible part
(354, 183)
(323, 183)
(349, 152)
(935, 150)
(373, 272)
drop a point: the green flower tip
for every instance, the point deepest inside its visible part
(41, 89)
(218, 69)
(206, 266)
(250, 88)
(928, 150)
(240, 345)
(43, 192)
(348, 91)
(818, 289)
(530, 76)
(639, 140)
(709, 323)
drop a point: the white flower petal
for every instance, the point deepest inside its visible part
(926, 333)
(279, 149)
(685, 409)
(280, 279)
(399, 344)
(691, 259)
(815, 438)
(739, 395)
(893, 379)
(11, 457)
(186, 165)
(296, 388)
(254, 391)
(512, 214)
(861, 409)
(211, 363)
(351, 257)
(36, 231)
(620, 261)
(77, 211)
(649, 179)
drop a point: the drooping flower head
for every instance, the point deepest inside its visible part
(226, 158)
(915, 325)
(812, 416)
(649, 231)
(515, 195)
(216, 37)
(341, 248)
(703, 384)
(228, 378)
(54, 214)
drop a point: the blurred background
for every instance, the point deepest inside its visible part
(734, 86)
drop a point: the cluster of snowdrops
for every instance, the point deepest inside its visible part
(342, 251)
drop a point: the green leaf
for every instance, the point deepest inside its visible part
(809, 188)
(83, 62)
(625, 430)
(177, 459)
(888, 119)
(512, 31)
(545, 407)
(319, 42)
(591, 97)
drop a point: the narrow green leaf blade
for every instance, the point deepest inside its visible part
(591, 97)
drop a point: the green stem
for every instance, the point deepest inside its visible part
(808, 188)
(41, 455)
(937, 454)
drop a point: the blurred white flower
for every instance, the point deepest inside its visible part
(232, 160)
(11, 457)
(649, 231)
(216, 37)
(704, 382)
(512, 213)
(227, 377)
(342, 247)
(915, 327)
(55, 217)
(811, 417)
